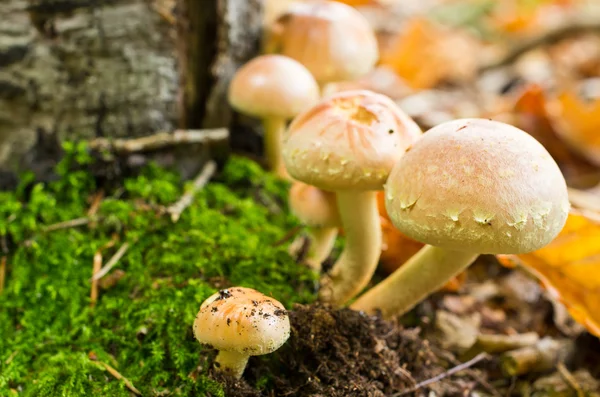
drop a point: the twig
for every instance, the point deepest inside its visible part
(482, 382)
(451, 371)
(201, 180)
(2, 273)
(290, 234)
(539, 358)
(160, 141)
(95, 203)
(96, 268)
(67, 224)
(11, 357)
(111, 263)
(550, 37)
(118, 376)
(570, 379)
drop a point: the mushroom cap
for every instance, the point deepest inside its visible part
(273, 85)
(242, 320)
(333, 40)
(348, 141)
(478, 186)
(313, 206)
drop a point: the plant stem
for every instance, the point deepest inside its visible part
(232, 363)
(357, 263)
(273, 128)
(425, 272)
(322, 240)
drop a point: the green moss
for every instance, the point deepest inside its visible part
(142, 325)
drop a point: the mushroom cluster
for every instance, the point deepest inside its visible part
(464, 188)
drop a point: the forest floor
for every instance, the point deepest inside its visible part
(499, 335)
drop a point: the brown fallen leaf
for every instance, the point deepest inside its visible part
(425, 54)
(530, 114)
(577, 122)
(569, 267)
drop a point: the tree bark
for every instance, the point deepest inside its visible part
(214, 41)
(72, 69)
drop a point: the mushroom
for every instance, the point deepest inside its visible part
(274, 88)
(348, 144)
(467, 187)
(333, 40)
(241, 322)
(318, 210)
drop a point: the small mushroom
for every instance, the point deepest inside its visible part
(241, 322)
(468, 187)
(348, 144)
(333, 40)
(273, 88)
(318, 210)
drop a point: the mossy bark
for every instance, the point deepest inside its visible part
(72, 69)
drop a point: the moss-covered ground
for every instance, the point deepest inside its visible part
(53, 343)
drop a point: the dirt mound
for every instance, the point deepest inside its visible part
(344, 353)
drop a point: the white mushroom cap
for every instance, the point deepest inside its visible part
(242, 320)
(273, 85)
(477, 185)
(348, 141)
(333, 40)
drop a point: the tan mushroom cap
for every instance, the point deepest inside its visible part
(477, 185)
(333, 40)
(273, 85)
(313, 206)
(348, 141)
(242, 320)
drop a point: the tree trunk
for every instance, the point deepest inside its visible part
(73, 69)
(215, 39)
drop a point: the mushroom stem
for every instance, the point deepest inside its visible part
(425, 272)
(358, 261)
(273, 128)
(232, 363)
(322, 240)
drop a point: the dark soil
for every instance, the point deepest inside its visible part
(346, 353)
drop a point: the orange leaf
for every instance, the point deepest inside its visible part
(569, 267)
(578, 123)
(425, 54)
(530, 114)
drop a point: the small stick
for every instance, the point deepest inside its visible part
(67, 224)
(543, 356)
(160, 141)
(570, 379)
(288, 235)
(201, 180)
(118, 376)
(451, 371)
(95, 203)
(550, 37)
(111, 263)
(11, 357)
(96, 268)
(2, 273)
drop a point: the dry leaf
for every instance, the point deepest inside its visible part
(425, 54)
(577, 122)
(530, 114)
(569, 267)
